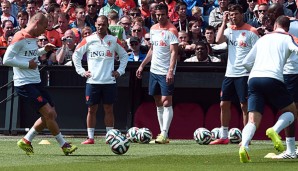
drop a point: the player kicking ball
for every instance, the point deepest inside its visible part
(22, 55)
(265, 62)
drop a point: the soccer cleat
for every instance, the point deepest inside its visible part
(160, 139)
(153, 141)
(244, 156)
(68, 148)
(26, 146)
(276, 139)
(220, 141)
(284, 155)
(88, 141)
(296, 151)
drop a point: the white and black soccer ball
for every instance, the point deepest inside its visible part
(215, 134)
(202, 136)
(144, 135)
(111, 134)
(235, 135)
(131, 134)
(119, 144)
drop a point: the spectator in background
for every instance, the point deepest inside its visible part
(140, 21)
(216, 15)
(183, 20)
(147, 40)
(249, 14)
(64, 54)
(48, 58)
(190, 4)
(134, 12)
(91, 15)
(31, 8)
(63, 20)
(46, 4)
(287, 11)
(195, 32)
(186, 49)
(126, 5)
(86, 31)
(52, 35)
(262, 12)
(210, 38)
(136, 54)
(54, 10)
(202, 54)
(7, 26)
(173, 16)
(22, 20)
(125, 22)
(197, 15)
(69, 8)
(6, 7)
(136, 32)
(145, 9)
(109, 7)
(152, 19)
(80, 21)
(116, 30)
(291, 4)
(17, 6)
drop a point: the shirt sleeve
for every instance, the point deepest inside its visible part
(249, 60)
(10, 57)
(78, 55)
(123, 57)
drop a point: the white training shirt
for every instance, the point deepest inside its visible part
(291, 66)
(240, 41)
(100, 58)
(161, 39)
(22, 49)
(268, 56)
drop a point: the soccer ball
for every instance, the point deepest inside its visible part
(215, 134)
(111, 134)
(235, 135)
(120, 144)
(131, 134)
(144, 135)
(202, 136)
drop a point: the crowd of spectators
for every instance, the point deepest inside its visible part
(69, 21)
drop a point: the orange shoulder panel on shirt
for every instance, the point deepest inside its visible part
(18, 37)
(82, 43)
(245, 27)
(119, 42)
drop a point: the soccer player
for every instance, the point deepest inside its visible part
(101, 76)
(240, 37)
(265, 62)
(22, 55)
(163, 57)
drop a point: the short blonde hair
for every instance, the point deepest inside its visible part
(196, 10)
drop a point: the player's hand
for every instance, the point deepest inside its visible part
(87, 74)
(49, 47)
(170, 77)
(225, 18)
(139, 72)
(115, 74)
(32, 64)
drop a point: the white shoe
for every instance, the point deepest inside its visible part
(296, 151)
(284, 155)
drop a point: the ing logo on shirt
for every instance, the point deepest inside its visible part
(101, 54)
(30, 53)
(159, 43)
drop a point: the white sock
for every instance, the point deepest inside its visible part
(160, 110)
(224, 132)
(90, 133)
(167, 119)
(283, 121)
(60, 139)
(247, 133)
(109, 128)
(290, 141)
(31, 134)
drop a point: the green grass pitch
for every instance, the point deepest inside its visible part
(178, 155)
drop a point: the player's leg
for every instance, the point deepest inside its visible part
(255, 108)
(241, 88)
(227, 92)
(92, 99)
(109, 98)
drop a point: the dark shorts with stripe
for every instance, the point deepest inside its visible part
(97, 93)
(35, 94)
(291, 81)
(159, 86)
(232, 86)
(261, 89)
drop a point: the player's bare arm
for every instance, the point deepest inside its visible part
(144, 63)
(220, 38)
(170, 74)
